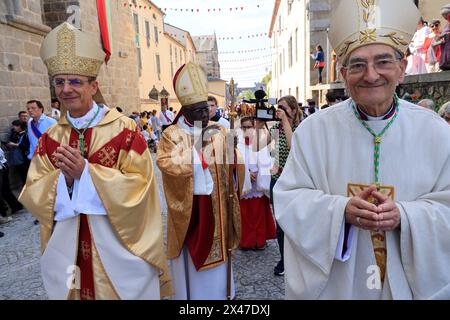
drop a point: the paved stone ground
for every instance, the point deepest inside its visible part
(20, 269)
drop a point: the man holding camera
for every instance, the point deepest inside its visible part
(289, 117)
(364, 197)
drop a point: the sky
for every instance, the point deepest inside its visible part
(225, 23)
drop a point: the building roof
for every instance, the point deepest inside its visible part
(156, 7)
(205, 43)
(176, 33)
(171, 36)
(274, 16)
(214, 79)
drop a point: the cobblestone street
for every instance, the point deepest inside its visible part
(20, 270)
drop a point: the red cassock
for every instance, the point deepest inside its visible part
(257, 223)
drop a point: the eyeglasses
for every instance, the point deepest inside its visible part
(381, 66)
(75, 83)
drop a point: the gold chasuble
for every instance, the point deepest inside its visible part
(175, 161)
(121, 169)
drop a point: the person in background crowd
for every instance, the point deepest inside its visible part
(312, 107)
(331, 100)
(214, 114)
(427, 103)
(444, 62)
(6, 194)
(37, 125)
(56, 109)
(281, 133)
(17, 156)
(166, 117)
(256, 216)
(444, 112)
(417, 48)
(432, 47)
(319, 58)
(23, 118)
(156, 124)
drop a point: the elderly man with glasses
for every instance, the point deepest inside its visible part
(364, 196)
(91, 185)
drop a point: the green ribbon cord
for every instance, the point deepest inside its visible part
(81, 133)
(377, 137)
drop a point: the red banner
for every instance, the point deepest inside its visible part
(104, 30)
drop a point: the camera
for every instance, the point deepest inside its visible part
(262, 112)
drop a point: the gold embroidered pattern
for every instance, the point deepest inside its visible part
(369, 35)
(87, 294)
(85, 250)
(345, 47)
(66, 61)
(398, 40)
(378, 237)
(53, 158)
(368, 11)
(107, 156)
(129, 140)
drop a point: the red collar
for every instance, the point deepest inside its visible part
(190, 125)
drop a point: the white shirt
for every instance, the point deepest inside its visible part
(203, 182)
(166, 117)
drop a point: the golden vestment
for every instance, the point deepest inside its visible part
(174, 158)
(121, 169)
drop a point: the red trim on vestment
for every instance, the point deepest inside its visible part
(200, 234)
(74, 141)
(47, 146)
(127, 140)
(84, 260)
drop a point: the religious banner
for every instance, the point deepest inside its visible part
(104, 20)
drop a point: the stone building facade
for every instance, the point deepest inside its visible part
(434, 86)
(118, 79)
(23, 76)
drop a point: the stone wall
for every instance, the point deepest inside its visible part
(55, 11)
(119, 80)
(434, 86)
(23, 76)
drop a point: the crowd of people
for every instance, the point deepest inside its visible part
(20, 147)
(429, 50)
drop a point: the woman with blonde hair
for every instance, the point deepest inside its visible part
(289, 116)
